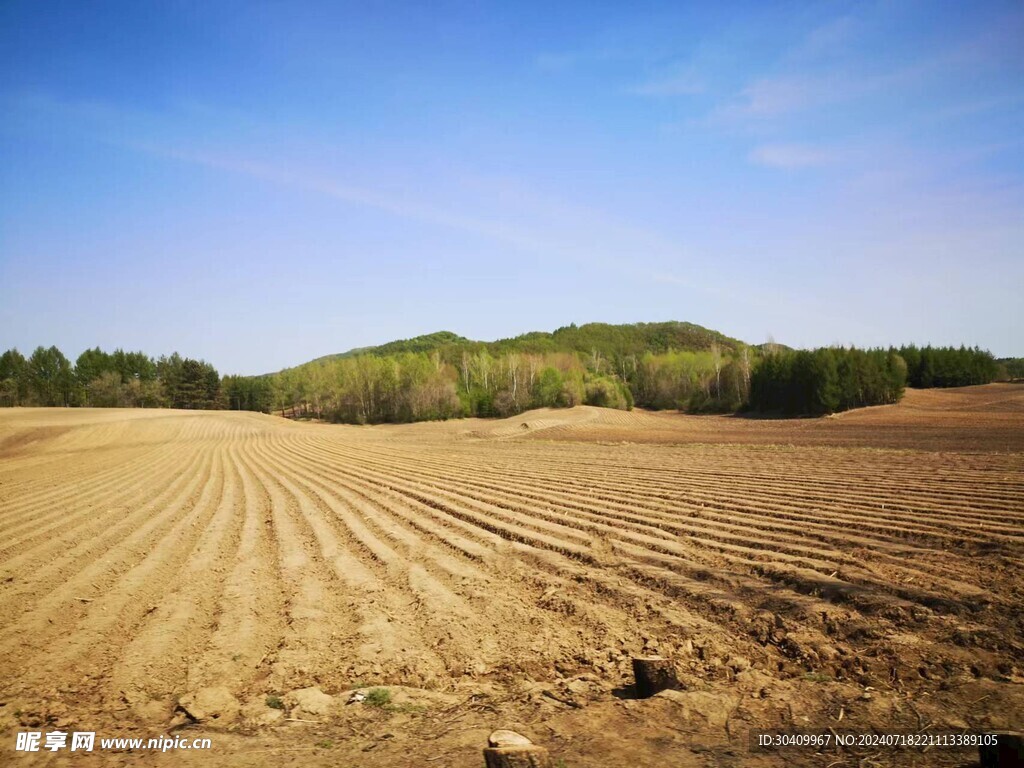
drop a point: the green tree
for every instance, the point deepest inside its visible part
(106, 391)
(89, 367)
(548, 388)
(14, 378)
(51, 376)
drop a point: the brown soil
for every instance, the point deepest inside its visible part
(861, 572)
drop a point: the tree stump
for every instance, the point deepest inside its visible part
(1008, 752)
(508, 749)
(653, 674)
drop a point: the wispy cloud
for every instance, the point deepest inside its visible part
(827, 38)
(525, 219)
(560, 61)
(791, 156)
(682, 82)
(776, 95)
(820, 71)
(771, 98)
(310, 182)
(146, 132)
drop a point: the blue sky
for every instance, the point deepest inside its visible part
(259, 184)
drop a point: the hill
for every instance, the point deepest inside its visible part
(608, 340)
(426, 343)
(441, 375)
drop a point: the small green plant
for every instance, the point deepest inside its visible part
(378, 697)
(325, 744)
(236, 657)
(817, 677)
(274, 702)
(561, 764)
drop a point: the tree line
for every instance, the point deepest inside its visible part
(948, 366)
(107, 380)
(835, 379)
(411, 386)
(442, 376)
(827, 380)
(414, 386)
(1010, 368)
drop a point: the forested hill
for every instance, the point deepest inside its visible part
(441, 340)
(442, 375)
(604, 339)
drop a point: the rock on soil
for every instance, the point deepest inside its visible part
(210, 705)
(256, 712)
(702, 708)
(309, 702)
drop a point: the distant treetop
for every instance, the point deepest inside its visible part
(604, 338)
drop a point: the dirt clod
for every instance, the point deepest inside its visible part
(210, 706)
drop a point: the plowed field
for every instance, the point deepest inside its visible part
(862, 572)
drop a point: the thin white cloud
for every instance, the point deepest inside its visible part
(771, 99)
(299, 179)
(790, 156)
(682, 83)
(774, 96)
(573, 234)
(529, 222)
(829, 38)
(820, 72)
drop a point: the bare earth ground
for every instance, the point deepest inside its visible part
(861, 572)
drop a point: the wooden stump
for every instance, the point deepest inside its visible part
(508, 749)
(653, 674)
(1008, 752)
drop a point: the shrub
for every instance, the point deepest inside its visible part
(378, 697)
(606, 393)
